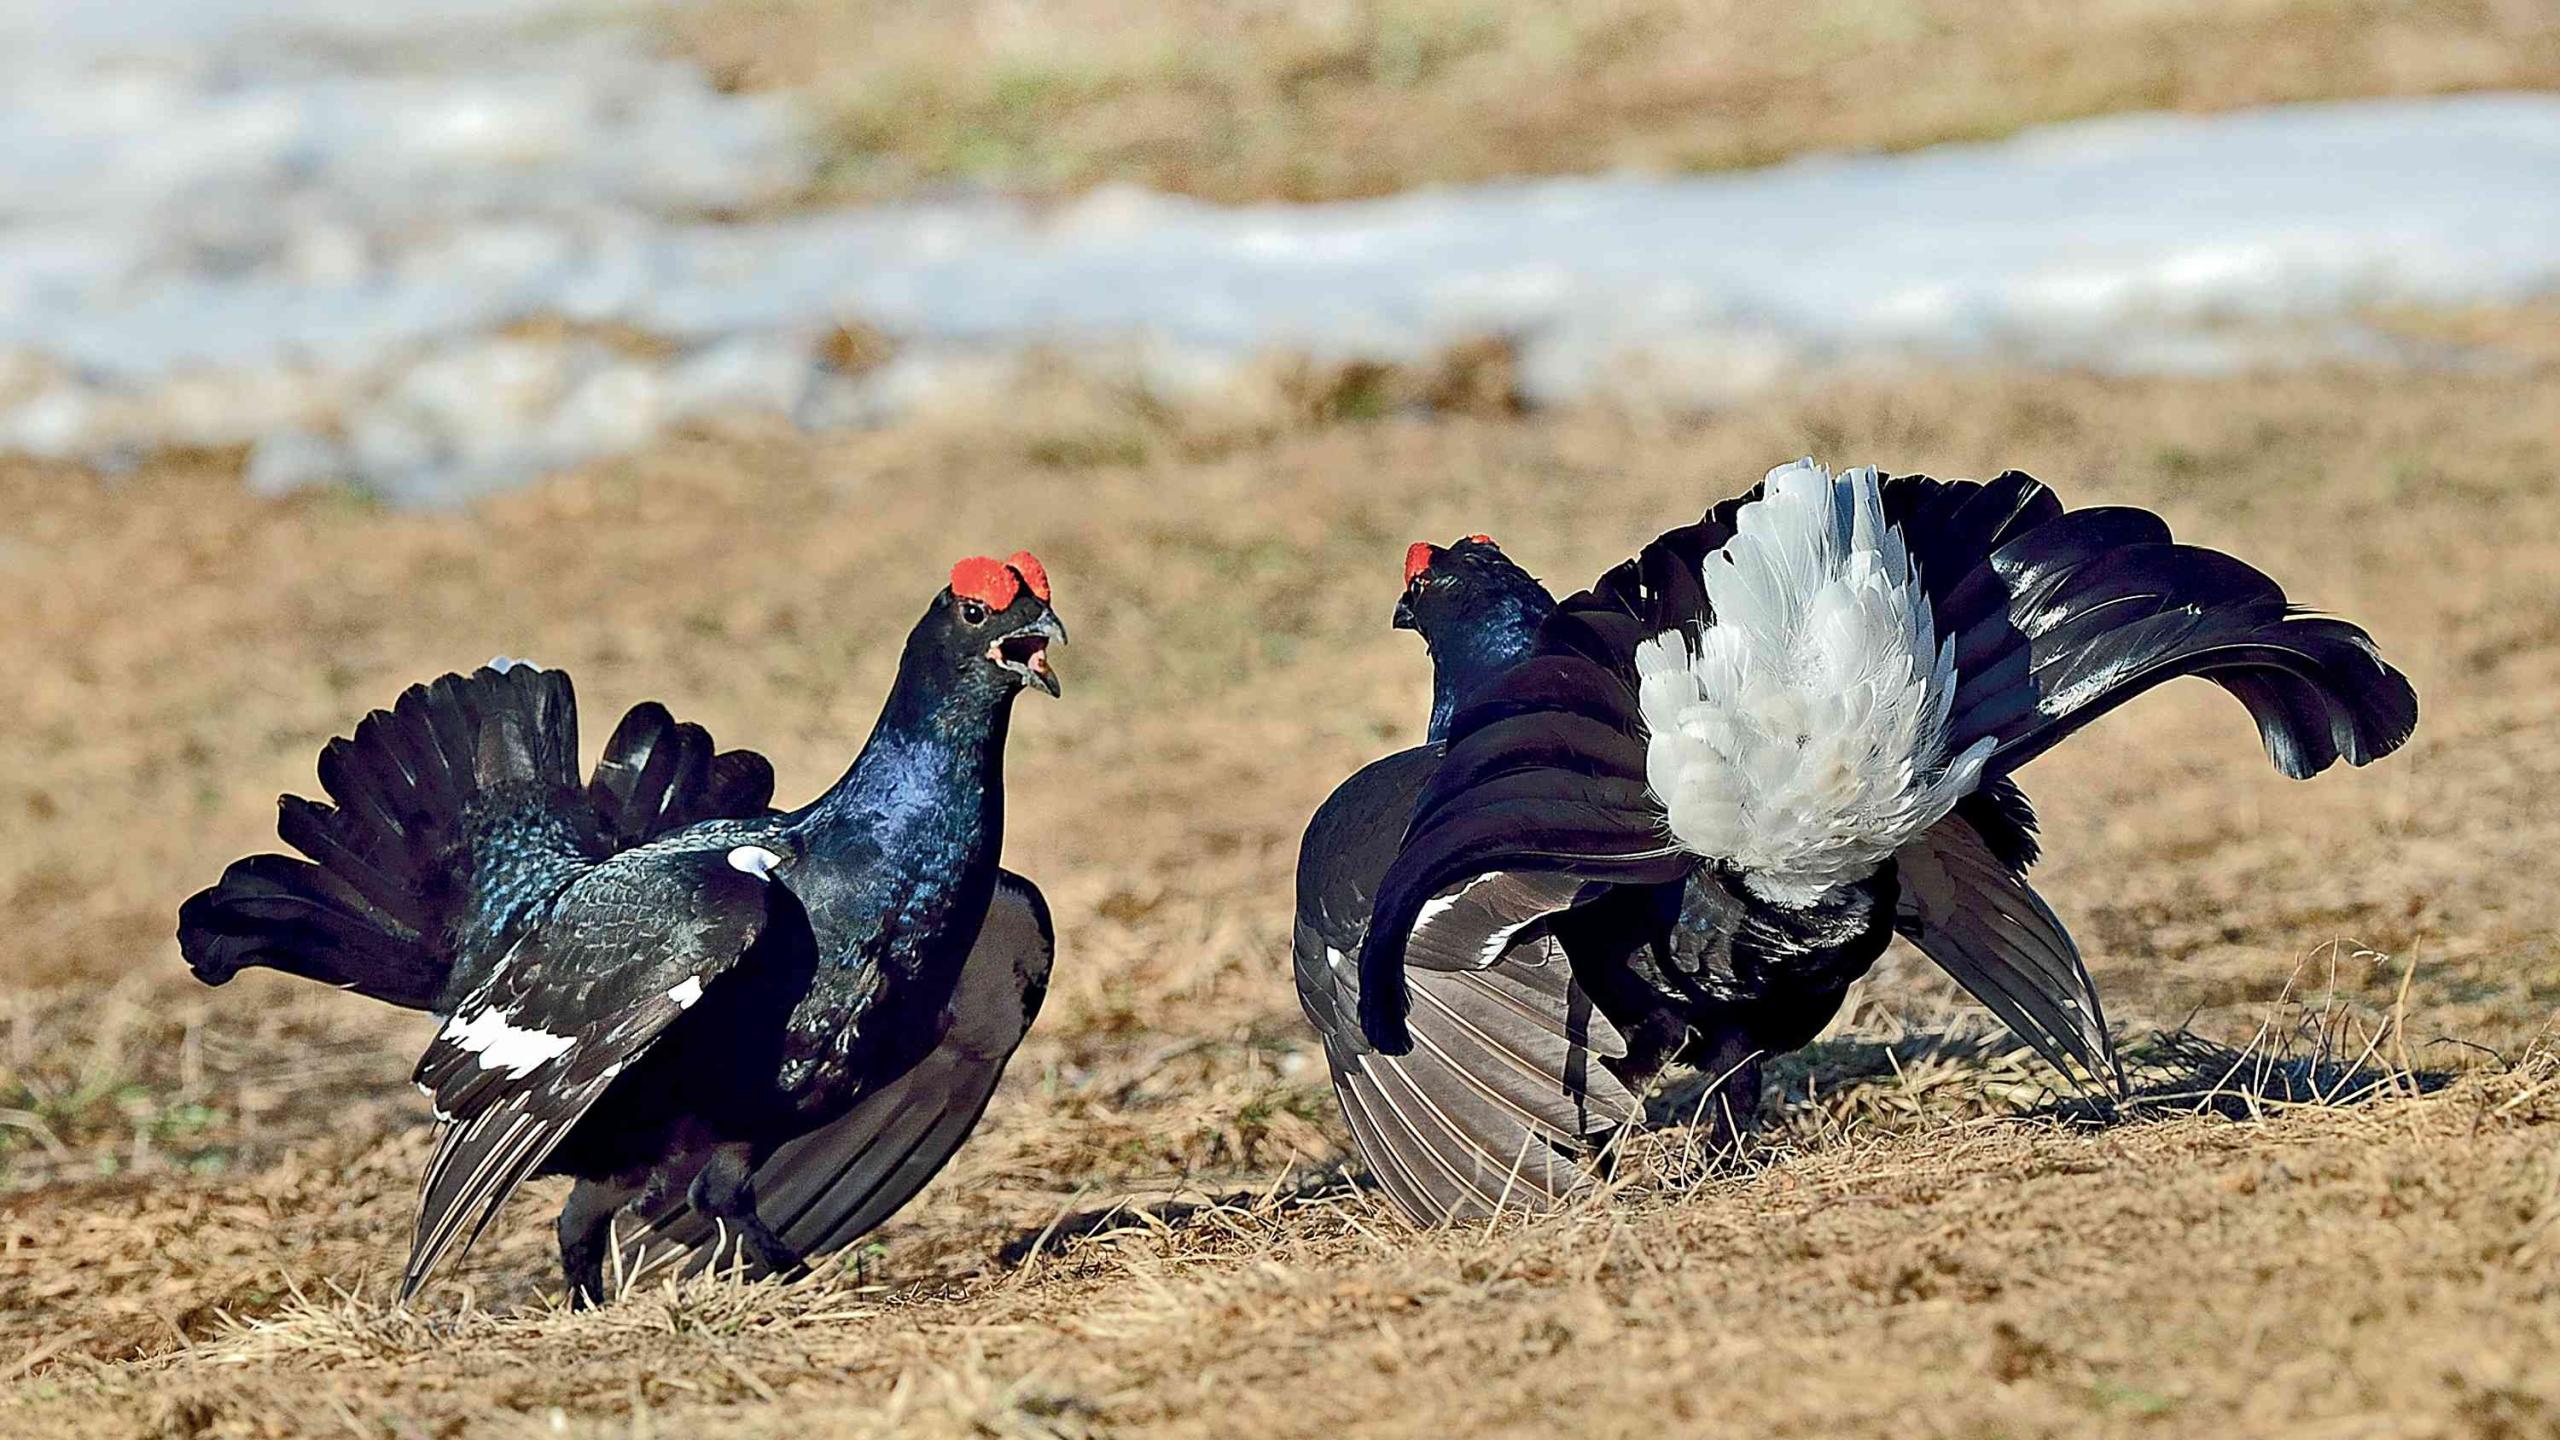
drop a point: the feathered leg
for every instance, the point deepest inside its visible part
(724, 1190)
(1730, 1109)
(586, 1237)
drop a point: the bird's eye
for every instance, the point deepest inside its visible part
(973, 613)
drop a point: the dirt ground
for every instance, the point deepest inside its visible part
(204, 1195)
(1280, 99)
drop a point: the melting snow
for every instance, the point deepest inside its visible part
(315, 229)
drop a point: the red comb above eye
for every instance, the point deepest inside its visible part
(1034, 574)
(1482, 540)
(986, 581)
(1417, 558)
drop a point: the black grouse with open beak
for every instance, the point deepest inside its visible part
(1025, 652)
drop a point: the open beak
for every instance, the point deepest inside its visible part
(1025, 652)
(1404, 612)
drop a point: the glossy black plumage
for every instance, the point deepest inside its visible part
(2056, 617)
(431, 838)
(604, 973)
(652, 982)
(1453, 1129)
(1508, 1089)
(823, 1190)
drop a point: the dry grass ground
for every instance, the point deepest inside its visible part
(1264, 99)
(206, 1192)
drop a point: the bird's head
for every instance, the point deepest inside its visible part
(1479, 613)
(1452, 593)
(992, 625)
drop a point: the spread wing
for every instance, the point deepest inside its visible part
(626, 949)
(824, 1190)
(1977, 918)
(1504, 1092)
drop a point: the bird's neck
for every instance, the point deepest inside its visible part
(1465, 660)
(926, 795)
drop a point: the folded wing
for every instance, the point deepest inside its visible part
(830, 1187)
(1507, 1089)
(623, 953)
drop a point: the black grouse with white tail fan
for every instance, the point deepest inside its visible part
(742, 1025)
(1725, 776)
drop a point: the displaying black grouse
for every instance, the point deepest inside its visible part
(1516, 1077)
(768, 1026)
(1725, 776)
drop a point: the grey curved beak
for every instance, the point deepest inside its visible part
(1025, 652)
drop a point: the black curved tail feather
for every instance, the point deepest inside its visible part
(388, 868)
(2074, 618)
(294, 916)
(658, 774)
(441, 809)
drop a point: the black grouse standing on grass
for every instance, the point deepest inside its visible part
(1730, 772)
(1516, 1077)
(769, 1026)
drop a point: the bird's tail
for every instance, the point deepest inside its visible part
(2069, 618)
(659, 774)
(387, 863)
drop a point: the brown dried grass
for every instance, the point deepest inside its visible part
(203, 1194)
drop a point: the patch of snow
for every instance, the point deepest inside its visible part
(315, 230)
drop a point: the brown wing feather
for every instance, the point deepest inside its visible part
(1502, 1098)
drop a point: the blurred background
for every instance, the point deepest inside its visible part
(424, 251)
(685, 347)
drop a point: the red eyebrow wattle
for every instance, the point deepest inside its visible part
(1417, 558)
(990, 582)
(1034, 574)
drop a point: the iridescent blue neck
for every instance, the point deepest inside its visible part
(928, 787)
(1465, 658)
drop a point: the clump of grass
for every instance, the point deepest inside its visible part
(120, 1081)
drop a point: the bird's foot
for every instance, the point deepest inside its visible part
(723, 1191)
(778, 1259)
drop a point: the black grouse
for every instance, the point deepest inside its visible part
(738, 1023)
(1516, 1078)
(1721, 780)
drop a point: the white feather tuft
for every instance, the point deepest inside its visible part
(1801, 736)
(501, 1044)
